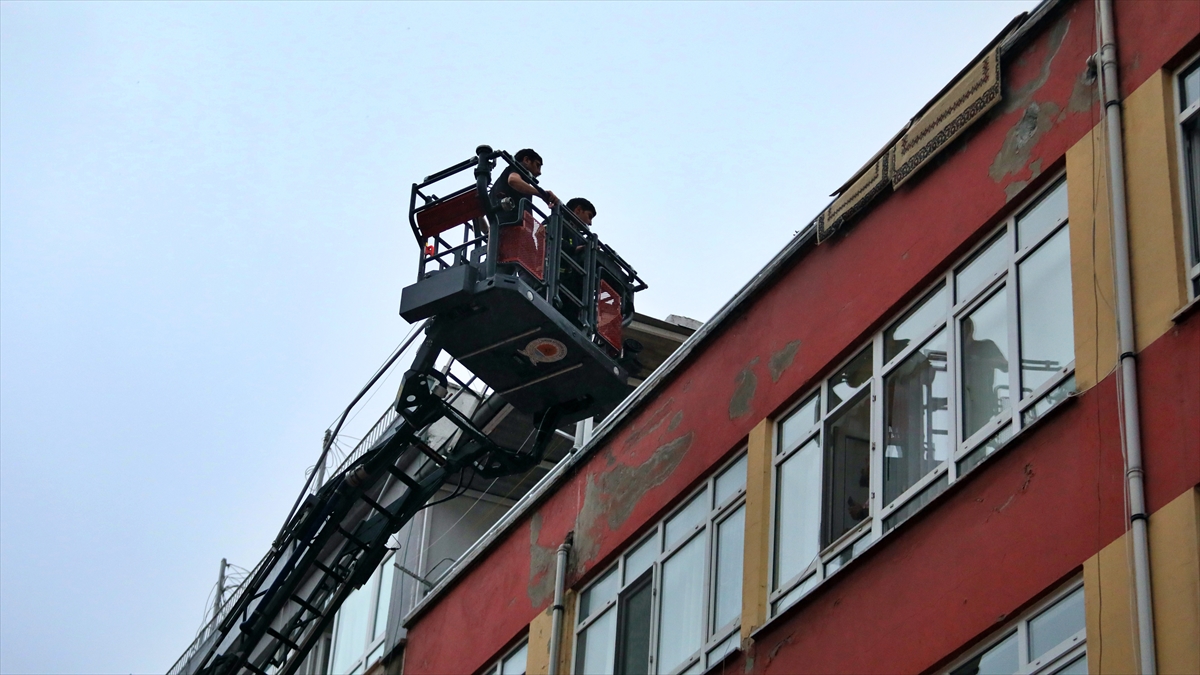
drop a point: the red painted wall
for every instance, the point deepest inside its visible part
(836, 296)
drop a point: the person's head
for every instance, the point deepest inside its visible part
(529, 159)
(582, 209)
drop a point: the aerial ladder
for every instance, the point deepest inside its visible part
(532, 304)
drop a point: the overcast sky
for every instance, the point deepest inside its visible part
(203, 237)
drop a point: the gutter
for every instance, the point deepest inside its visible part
(1131, 443)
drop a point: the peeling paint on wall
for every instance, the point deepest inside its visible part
(745, 384)
(541, 565)
(1022, 137)
(781, 360)
(610, 496)
(1021, 96)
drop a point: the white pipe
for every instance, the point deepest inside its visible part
(556, 621)
(1131, 440)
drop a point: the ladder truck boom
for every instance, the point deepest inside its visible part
(537, 321)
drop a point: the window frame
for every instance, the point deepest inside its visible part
(374, 646)
(1189, 202)
(1020, 411)
(715, 642)
(1058, 656)
(497, 666)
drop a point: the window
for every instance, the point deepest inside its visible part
(512, 663)
(927, 399)
(1051, 639)
(1187, 92)
(361, 624)
(673, 602)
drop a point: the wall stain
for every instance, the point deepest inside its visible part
(541, 565)
(745, 384)
(1029, 473)
(1014, 188)
(1022, 137)
(610, 496)
(1019, 98)
(781, 360)
(1084, 94)
(653, 421)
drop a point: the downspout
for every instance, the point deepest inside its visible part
(1127, 379)
(556, 621)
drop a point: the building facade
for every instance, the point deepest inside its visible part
(899, 447)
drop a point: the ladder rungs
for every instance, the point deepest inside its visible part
(353, 539)
(381, 509)
(306, 605)
(429, 452)
(279, 636)
(402, 477)
(321, 566)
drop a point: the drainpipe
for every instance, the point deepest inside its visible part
(1131, 439)
(556, 622)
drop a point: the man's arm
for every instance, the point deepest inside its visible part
(520, 185)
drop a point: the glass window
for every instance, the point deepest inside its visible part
(1002, 659)
(383, 599)
(633, 631)
(1047, 325)
(800, 424)
(899, 425)
(678, 604)
(1049, 211)
(731, 481)
(984, 348)
(848, 468)
(596, 645)
(849, 379)
(982, 267)
(916, 324)
(1052, 633)
(1189, 141)
(514, 663)
(797, 512)
(731, 537)
(361, 623)
(688, 519)
(1056, 624)
(916, 418)
(680, 630)
(596, 596)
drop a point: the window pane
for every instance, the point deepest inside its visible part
(1076, 667)
(913, 505)
(1191, 88)
(731, 481)
(999, 660)
(848, 467)
(915, 325)
(681, 627)
(916, 418)
(1058, 623)
(1051, 399)
(985, 363)
(1050, 211)
(384, 598)
(1047, 325)
(515, 663)
(1191, 158)
(985, 449)
(350, 638)
(640, 559)
(600, 592)
(727, 585)
(595, 652)
(727, 647)
(850, 378)
(798, 592)
(799, 424)
(633, 650)
(798, 512)
(991, 260)
(683, 523)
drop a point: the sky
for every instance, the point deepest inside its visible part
(203, 237)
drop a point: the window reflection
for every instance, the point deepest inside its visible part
(633, 639)
(985, 363)
(848, 467)
(982, 267)
(681, 629)
(798, 512)
(1002, 659)
(916, 418)
(915, 325)
(1047, 325)
(800, 423)
(1048, 212)
(848, 379)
